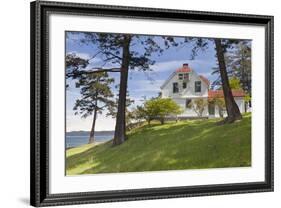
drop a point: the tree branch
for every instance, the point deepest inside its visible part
(97, 70)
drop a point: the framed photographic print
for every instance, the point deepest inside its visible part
(132, 103)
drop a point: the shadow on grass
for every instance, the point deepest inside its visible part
(172, 146)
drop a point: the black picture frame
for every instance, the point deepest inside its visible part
(39, 189)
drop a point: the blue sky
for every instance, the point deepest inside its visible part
(139, 83)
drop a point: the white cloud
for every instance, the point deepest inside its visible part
(73, 93)
(146, 86)
(173, 65)
(81, 55)
(167, 65)
(76, 123)
(139, 86)
(202, 67)
(206, 74)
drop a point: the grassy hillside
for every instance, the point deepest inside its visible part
(173, 146)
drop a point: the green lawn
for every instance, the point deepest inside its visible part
(172, 146)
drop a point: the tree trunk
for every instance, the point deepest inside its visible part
(221, 112)
(162, 121)
(120, 127)
(92, 133)
(232, 109)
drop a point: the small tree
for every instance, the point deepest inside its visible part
(221, 46)
(139, 114)
(96, 96)
(220, 103)
(125, 52)
(240, 62)
(159, 108)
(198, 105)
(235, 83)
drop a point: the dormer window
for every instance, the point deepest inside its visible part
(180, 76)
(183, 76)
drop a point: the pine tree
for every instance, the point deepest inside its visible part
(240, 62)
(119, 50)
(221, 47)
(96, 96)
(233, 112)
(73, 64)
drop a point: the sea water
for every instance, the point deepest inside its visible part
(74, 141)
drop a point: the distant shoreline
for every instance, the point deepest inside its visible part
(95, 144)
(76, 139)
(87, 133)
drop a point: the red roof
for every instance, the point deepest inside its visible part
(204, 79)
(184, 68)
(219, 93)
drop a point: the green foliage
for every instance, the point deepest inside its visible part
(173, 146)
(112, 110)
(139, 113)
(198, 105)
(238, 63)
(72, 64)
(96, 94)
(247, 98)
(159, 108)
(220, 103)
(72, 60)
(109, 48)
(119, 50)
(129, 114)
(234, 83)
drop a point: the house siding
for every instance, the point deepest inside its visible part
(189, 93)
(189, 112)
(240, 103)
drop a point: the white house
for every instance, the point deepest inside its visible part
(184, 85)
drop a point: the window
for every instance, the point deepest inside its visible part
(180, 76)
(187, 103)
(184, 85)
(175, 87)
(198, 86)
(186, 76)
